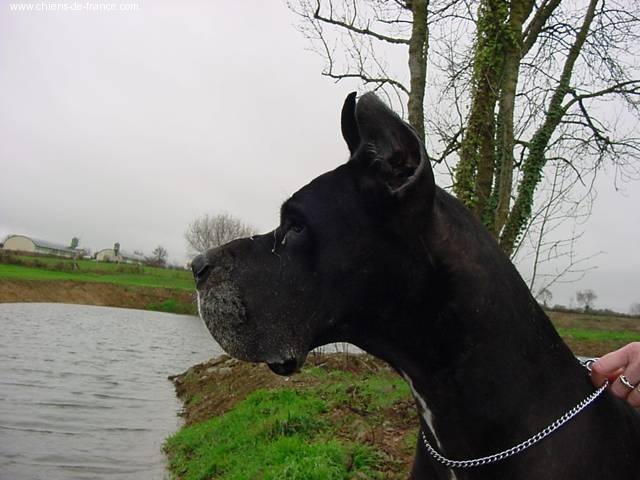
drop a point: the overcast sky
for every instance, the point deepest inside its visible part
(125, 126)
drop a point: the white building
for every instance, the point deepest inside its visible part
(22, 243)
(109, 255)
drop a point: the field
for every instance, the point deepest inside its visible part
(52, 279)
(22, 267)
(595, 335)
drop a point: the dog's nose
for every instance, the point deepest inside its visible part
(200, 268)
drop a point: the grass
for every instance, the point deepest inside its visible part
(598, 335)
(373, 392)
(279, 435)
(333, 420)
(171, 305)
(595, 335)
(48, 268)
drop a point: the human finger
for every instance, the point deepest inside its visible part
(613, 364)
(628, 380)
(612, 361)
(634, 397)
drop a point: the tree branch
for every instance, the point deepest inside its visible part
(533, 166)
(353, 28)
(362, 76)
(618, 88)
(536, 24)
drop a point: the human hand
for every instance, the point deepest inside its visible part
(624, 362)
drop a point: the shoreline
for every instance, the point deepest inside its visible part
(98, 294)
(341, 416)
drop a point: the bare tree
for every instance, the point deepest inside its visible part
(586, 298)
(158, 256)
(545, 296)
(212, 231)
(635, 309)
(518, 89)
(351, 35)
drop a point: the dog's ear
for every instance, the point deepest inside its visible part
(389, 150)
(348, 123)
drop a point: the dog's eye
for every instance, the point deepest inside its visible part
(296, 227)
(293, 227)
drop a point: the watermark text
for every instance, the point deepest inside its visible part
(73, 7)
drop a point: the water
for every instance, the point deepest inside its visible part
(84, 391)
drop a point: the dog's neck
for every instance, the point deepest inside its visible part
(485, 365)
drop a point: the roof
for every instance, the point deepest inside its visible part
(123, 254)
(52, 245)
(45, 244)
(132, 256)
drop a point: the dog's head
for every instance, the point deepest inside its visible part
(339, 259)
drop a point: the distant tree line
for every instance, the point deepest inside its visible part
(585, 300)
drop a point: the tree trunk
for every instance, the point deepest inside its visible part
(474, 172)
(535, 161)
(418, 49)
(501, 196)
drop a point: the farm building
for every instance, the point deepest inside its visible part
(110, 255)
(23, 243)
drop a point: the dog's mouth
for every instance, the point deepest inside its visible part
(286, 368)
(289, 363)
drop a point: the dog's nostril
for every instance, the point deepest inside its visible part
(200, 268)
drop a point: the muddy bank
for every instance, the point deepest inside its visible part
(367, 403)
(218, 384)
(102, 294)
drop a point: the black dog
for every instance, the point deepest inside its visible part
(373, 253)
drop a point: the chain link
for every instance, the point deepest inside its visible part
(475, 462)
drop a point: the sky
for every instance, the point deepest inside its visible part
(124, 126)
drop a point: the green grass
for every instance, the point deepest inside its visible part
(91, 271)
(380, 393)
(171, 305)
(372, 392)
(271, 435)
(598, 335)
(320, 429)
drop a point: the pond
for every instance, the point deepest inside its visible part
(84, 391)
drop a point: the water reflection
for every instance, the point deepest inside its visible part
(84, 391)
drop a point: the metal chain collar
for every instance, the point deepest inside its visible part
(475, 462)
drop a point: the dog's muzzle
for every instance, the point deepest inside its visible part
(255, 337)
